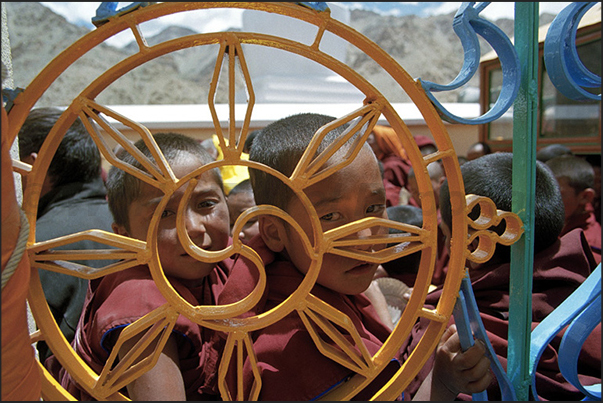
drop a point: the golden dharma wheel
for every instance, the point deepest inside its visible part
(232, 48)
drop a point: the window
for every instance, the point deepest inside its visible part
(576, 124)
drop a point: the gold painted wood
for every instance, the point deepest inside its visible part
(315, 313)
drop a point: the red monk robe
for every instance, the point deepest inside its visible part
(592, 229)
(558, 271)
(395, 162)
(290, 364)
(121, 298)
(395, 177)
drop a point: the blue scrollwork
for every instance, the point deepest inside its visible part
(467, 25)
(8, 97)
(470, 326)
(315, 5)
(109, 9)
(566, 71)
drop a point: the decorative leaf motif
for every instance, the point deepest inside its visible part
(130, 252)
(156, 326)
(308, 170)
(354, 355)
(341, 241)
(244, 348)
(158, 172)
(231, 48)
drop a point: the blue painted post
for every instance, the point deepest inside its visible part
(524, 178)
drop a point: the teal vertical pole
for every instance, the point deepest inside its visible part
(524, 178)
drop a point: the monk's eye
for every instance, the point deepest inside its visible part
(330, 217)
(166, 213)
(375, 209)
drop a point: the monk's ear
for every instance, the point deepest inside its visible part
(119, 229)
(272, 231)
(30, 159)
(587, 196)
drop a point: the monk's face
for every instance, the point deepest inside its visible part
(574, 201)
(237, 204)
(206, 221)
(352, 193)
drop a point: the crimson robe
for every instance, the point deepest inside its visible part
(291, 366)
(120, 298)
(395, 177)
(592, 229)
(558, 271)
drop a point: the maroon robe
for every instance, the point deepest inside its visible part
(396, 164)
(395, 177)
(121, 298)
(558, 271)
(291, 366)
(393, 157)
(592, 229)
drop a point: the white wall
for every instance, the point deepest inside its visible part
(284, 77)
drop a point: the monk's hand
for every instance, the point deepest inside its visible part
(459, 371)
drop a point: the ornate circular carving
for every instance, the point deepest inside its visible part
(133, 252)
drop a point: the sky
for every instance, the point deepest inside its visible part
(81, 13)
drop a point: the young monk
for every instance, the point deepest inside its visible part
(291, 366)
(240, 199)
(186, 367)
(389, 151)
(561, 264)
(576, 178)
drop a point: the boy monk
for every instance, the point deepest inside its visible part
(291, 366)
(576, 178)
(561, 264)
(185, 369)
(240, 199)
